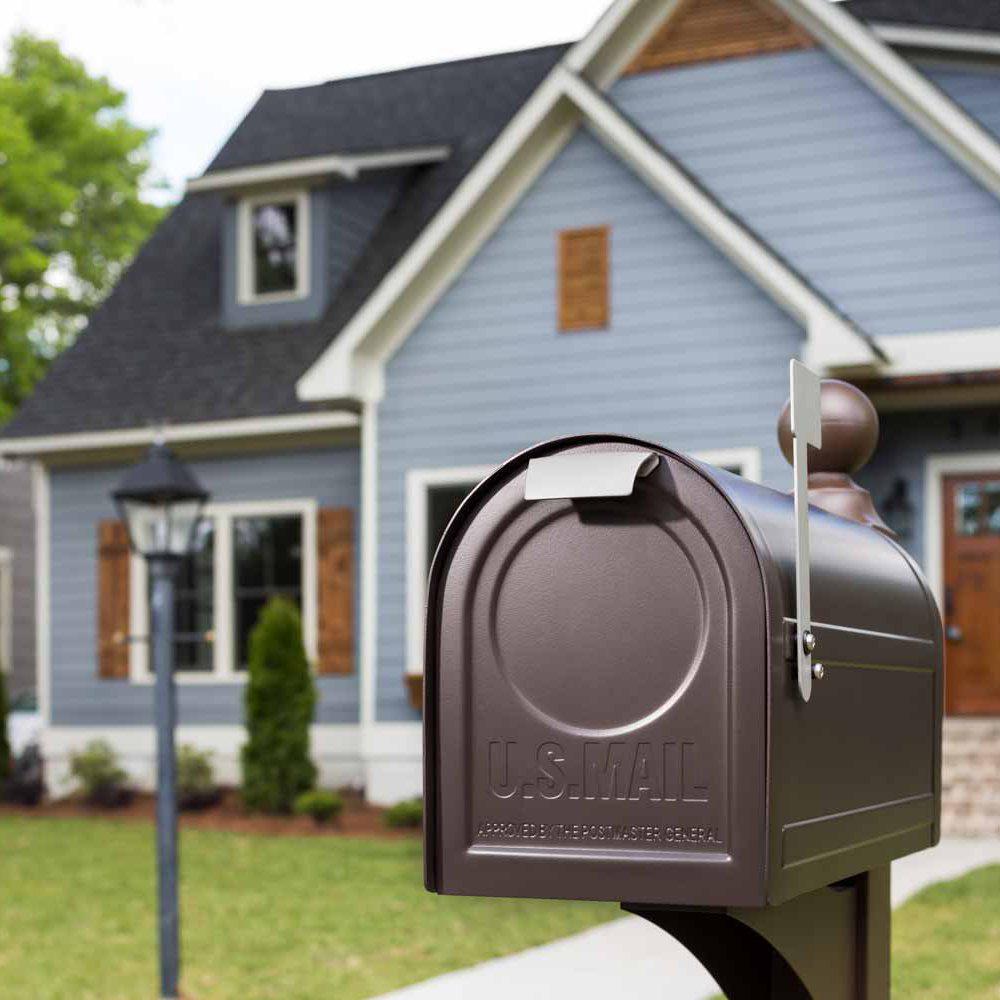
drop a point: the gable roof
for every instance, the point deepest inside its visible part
(353, 365)
(956, 15)
(155, 351)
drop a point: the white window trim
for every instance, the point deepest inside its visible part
(223, 666)
(6, 609)
(245, 293)
(418, 485)
(936, 467)
(748, 462)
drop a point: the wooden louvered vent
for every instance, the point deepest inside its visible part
(583, 279)
(112, 600)
(336, 590)
(707, 30)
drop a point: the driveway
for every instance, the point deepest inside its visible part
(630, 957)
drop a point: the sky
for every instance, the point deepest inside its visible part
(192, 68)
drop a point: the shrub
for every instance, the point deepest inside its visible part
(4, 743)
(26, 782)
(406, 814)
(101, 777)
(196, 787)
(323, 806)
(280, 700)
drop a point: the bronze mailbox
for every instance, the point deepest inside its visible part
(611, 711)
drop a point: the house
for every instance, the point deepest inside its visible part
(383, 286)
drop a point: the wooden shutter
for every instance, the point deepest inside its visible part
(707, 30)
(335, 538)
(583, 279)
(113, 581)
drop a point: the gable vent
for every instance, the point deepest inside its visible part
(707, 30)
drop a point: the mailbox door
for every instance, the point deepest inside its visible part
(596, 693)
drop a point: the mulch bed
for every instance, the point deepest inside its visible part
(359, 819)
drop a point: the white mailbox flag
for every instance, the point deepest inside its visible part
(807, 431)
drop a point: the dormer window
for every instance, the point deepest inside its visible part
(273, 247)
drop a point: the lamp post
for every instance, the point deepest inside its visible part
(160, 501)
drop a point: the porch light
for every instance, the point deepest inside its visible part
(160, 501)
(897, 509)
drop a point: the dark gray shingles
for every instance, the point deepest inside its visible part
(962, 15)
(155, 351)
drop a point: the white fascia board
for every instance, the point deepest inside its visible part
(905, 88)
(949, 352)
(618, 36)
(336, 374)
(179, 433)
(833, 336)
(944, 39)
(346, 165)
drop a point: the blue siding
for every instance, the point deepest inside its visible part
(343, 218)
(907, 439)
(976, 90)
(864, 205)
(79, 499)
(696, 357)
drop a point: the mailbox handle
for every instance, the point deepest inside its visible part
(582, 475)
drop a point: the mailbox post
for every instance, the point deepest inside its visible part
(613, 707)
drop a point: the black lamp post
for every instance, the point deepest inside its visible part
(160, 502)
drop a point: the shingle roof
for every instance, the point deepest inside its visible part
(961, 15)
(155, 350)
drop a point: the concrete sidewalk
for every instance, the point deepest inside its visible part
(630, 957)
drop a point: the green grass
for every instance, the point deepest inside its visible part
(306, 918)
(946, 941)
(262, 917)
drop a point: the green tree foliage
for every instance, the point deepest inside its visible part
(71, 169)
(280, 700)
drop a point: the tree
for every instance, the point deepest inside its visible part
(280, 700)
(72, 167)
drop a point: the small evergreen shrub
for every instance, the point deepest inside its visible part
(5, 761)
(322, 805)
(408, 814)
(100, 776)
(196, 787)
(280, 700)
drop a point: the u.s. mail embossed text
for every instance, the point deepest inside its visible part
(668, 771)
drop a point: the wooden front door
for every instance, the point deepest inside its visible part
(972, 593)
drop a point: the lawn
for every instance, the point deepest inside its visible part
(288, 917)
(302, 918)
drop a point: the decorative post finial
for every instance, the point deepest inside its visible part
(850, 435)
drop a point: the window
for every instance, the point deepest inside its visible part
(194, 604)
(583, 279)
(273, 248)
(432, 497)
(245, 555)
(267, 562)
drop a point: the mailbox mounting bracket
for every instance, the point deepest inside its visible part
(807, 430)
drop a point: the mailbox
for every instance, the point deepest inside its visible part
(611, 705)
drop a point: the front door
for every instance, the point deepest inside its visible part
(972, 593)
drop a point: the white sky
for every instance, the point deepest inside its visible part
(192, 68)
